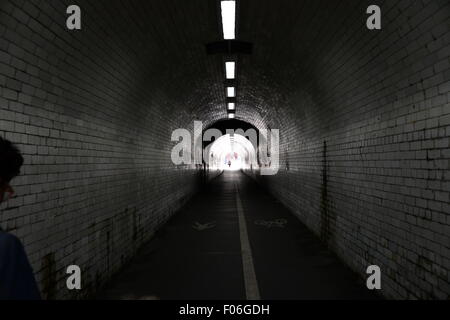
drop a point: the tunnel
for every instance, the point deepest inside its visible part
(347, 175)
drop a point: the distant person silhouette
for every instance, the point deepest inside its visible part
(17, 280)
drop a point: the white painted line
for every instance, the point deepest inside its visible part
(251, 284)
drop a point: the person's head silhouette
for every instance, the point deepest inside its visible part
(10, 162)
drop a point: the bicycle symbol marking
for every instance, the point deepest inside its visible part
(278, 223)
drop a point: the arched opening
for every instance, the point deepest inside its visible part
(232, 146)
(231, 153)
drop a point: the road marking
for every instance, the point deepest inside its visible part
(251, 284)
(279, 223)
(201, 227)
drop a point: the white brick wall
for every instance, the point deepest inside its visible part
(92, 112)
(97, 180)
(381, 102)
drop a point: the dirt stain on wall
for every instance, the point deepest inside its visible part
(324, 212)
(49, 276)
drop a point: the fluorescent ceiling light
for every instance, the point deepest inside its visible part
(231, 106)
(230, 68)
(231, 116)
(231, 92)
(229, 19)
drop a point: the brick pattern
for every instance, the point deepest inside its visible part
(364, 119)
(95, 129)
(365, 134)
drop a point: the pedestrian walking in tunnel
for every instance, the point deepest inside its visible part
(17, 280)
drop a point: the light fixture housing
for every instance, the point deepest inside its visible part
(230, 70)
(228, 19)
(231, 116)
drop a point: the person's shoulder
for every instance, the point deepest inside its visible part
(9, 240)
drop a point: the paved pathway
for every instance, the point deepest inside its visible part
(235, 241)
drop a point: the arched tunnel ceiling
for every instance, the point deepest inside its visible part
(310, 55)
(165, 41)
(364, 119)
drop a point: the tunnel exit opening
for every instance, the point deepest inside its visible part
(231, 153)
(261, 158)
(233, 150)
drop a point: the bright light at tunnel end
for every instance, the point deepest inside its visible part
(189, 150)
(228, 19)
(231, 153)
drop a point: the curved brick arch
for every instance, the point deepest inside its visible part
(363, 116)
